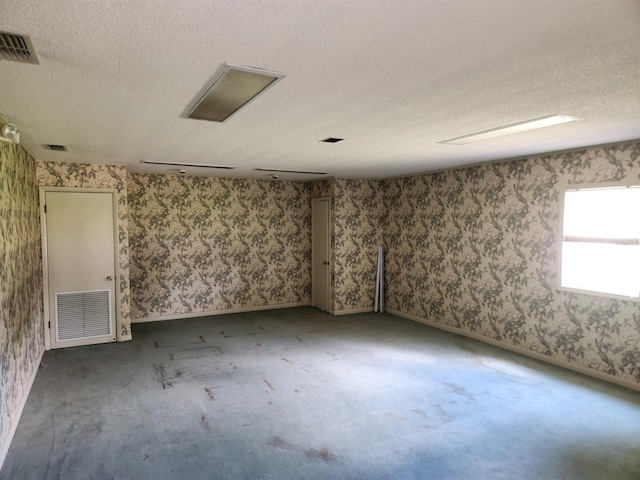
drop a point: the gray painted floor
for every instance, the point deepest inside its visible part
(298, 394)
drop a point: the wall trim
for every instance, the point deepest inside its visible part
(218, 312)
(353, 310)
(523, 351)
(18, 415)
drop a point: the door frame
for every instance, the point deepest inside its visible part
(45, 258)
(330, 252)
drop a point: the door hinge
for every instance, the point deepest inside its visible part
(49, 325)
(45, 209)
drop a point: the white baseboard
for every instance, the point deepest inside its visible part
(16, 420)
(217, 312)
(523, 351)
(353, 310)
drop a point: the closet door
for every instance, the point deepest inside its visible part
(80, 265)
(320, 253)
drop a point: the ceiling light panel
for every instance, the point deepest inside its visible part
(197, 165)
(270, 170)
(511, 129)
(229, 91)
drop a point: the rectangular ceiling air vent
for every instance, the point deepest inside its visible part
(198, 165)
(17, 48)
(270, 170)
(229, 91)
(56, 148)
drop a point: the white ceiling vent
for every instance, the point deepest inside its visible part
(17, 48)
(55, 148)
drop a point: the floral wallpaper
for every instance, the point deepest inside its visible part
(358, 218)
(201, 244)
(477, 249)
(83, 175)
(21, 312)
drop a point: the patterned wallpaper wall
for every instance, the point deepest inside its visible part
(477, 249)
(82, 175)
(358, 219)
(21, 322)
(202, 244)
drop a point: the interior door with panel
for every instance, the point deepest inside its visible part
(80, 265)
(320, 254)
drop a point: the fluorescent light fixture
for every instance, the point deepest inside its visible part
(229, 91)
(197, 165)
(520, 127)
(271, 170)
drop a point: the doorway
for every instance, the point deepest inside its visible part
(321, 253)
(79, 263)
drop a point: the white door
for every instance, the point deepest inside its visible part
(80, 267)
(320, 254)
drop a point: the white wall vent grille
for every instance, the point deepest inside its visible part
(17, 48)
(83, 314)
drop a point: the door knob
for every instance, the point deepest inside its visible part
(109, 278)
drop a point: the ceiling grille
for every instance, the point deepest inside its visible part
(56, 148)
(17, 48)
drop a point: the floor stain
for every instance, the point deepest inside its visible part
(323, 454)
(299, 339)
(269, 385)
(209, 393)
(205, 423)
(258, 344)
(171, 357)
(161, 376)
(179, 373)
(287, 360)
(198, 352)
(458, 390)
(282, 444)
(155, 344)
(202, 339)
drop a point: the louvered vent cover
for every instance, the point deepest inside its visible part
(17, 48)
(56, 148)
(83, 314)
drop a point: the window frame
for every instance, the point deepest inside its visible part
(567, 187)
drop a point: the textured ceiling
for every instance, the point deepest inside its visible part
(390, 77)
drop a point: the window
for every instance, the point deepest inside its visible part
(601, 240)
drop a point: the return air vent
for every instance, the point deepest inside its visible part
(198, 165)
(83, 314)
(270, 170)
(17, 48)
(56, 148)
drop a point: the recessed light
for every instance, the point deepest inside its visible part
(520, 127)
(229, 91)
(332, 140)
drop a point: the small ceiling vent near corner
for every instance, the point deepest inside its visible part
(17, 48)
(56, 148)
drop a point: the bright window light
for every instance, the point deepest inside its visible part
(601, 241)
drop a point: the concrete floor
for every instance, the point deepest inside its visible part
(298, 394)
